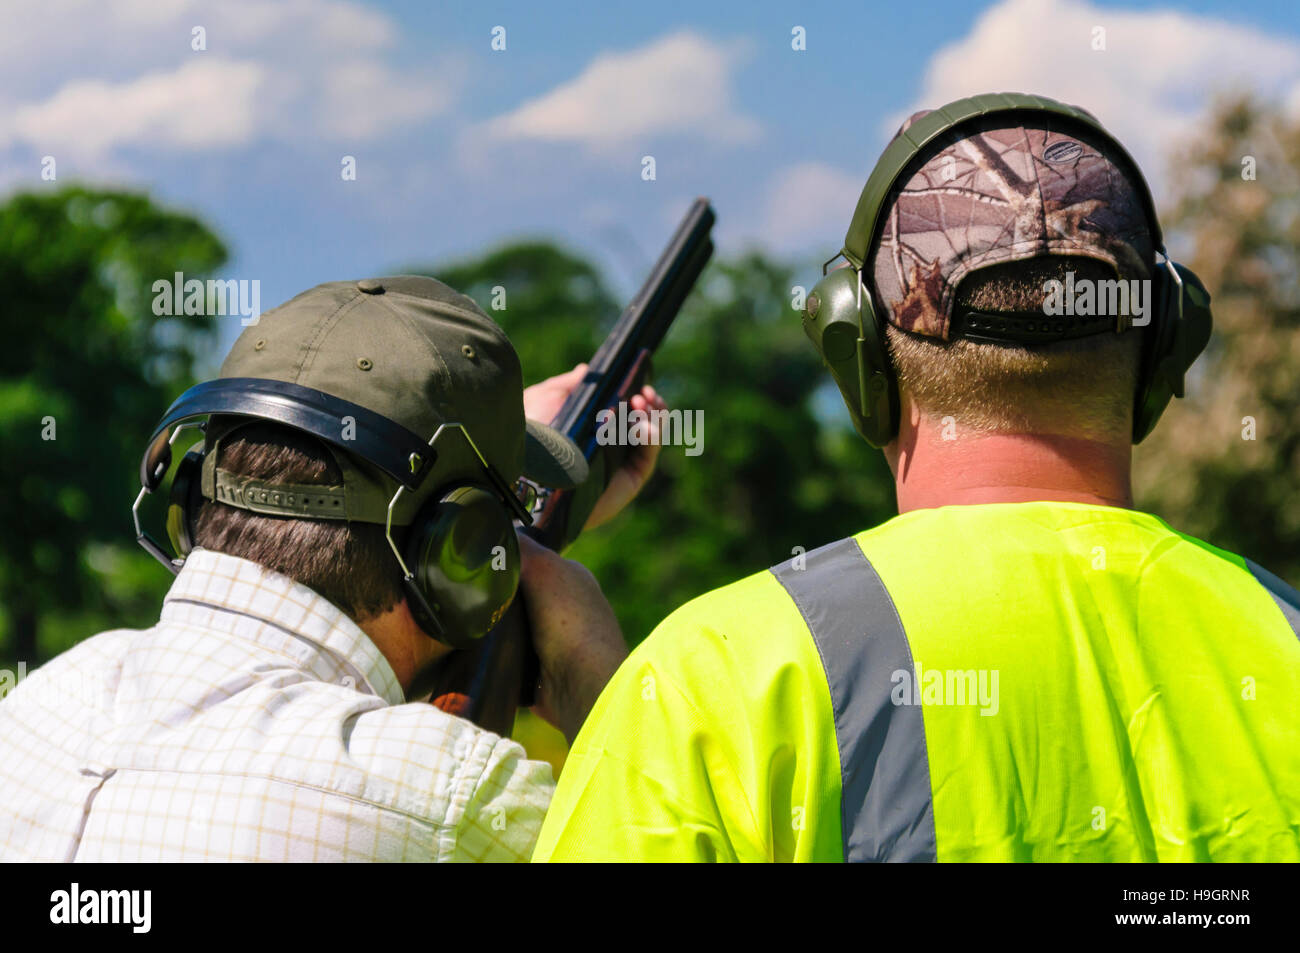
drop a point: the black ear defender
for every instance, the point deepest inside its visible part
(459, 557)
(840, 316)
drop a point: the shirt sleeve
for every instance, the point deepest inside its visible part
(504, 806)
(713, 742)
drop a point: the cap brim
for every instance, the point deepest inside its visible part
(552, 459)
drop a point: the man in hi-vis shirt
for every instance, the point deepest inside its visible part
(1020, 666)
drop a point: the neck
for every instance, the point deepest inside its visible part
(403, 643)
(971, 468)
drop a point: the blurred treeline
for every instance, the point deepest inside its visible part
(1224, 463)
(86, 372)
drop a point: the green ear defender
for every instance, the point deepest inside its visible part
(840, 321)
(461, 548)
(183, 502)
(459, 556)
(1182, 325)
(465, 555)
(840, 316)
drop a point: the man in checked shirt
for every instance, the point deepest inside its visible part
(265, 717)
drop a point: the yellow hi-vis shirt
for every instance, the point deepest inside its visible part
(1035, 681)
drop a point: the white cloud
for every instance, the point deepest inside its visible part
(210, 102)
(1149, 86)
(85, 78)
(807, 205)
(679, 84)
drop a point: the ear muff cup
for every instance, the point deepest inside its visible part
(853, 348)
(464, 554)
(1178, 334)
(184, 501)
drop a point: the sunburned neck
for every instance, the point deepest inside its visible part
(397, 635)
(971, 468)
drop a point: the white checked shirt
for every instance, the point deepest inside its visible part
(255, 721)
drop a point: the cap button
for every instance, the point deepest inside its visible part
(371, 286)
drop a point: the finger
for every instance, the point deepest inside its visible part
(567, 380)
(648, 399)
(654, 422)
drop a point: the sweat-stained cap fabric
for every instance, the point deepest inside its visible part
(421, 354)
(1000, 191)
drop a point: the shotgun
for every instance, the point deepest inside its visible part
(488, 682)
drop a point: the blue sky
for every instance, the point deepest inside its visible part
(460, 147)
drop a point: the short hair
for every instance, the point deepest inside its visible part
(349, 563)
(1083, 387)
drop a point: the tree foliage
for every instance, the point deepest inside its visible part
(1224, 463)
(85, 373)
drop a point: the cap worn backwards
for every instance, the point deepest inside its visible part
(1001, 191)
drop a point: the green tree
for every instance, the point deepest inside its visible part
(85, 373)
(1224, 464)
(553, 305)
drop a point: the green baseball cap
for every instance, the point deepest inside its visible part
(416, 351)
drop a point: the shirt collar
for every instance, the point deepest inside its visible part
(228, 593)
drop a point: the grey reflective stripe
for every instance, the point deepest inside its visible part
(886, 808)
(1287, 599)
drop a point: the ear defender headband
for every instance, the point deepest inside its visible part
(460, 556)
(840, 316)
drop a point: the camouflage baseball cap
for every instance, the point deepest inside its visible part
(1001, 191)
(421, 354)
